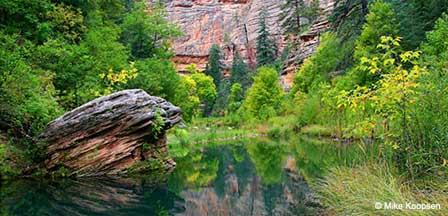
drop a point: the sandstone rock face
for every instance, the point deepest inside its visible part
(233, 24)
(308, 44)
(110, 134)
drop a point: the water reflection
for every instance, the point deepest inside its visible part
(258, 178)
(255, 177)
(96, 196)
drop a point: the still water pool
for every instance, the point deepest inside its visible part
(250, 177)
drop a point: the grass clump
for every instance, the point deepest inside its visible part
(355, 191)
(317, 130)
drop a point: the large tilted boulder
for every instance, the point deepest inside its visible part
(111, 135)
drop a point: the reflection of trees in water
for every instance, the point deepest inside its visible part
(260, 177)
(268, 158)
(251, 180)
(103, 196)
(194, 171)
(313, 157)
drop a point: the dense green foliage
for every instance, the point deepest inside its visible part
(378, 79)
(195, 89)
(59, 55)
(385, 93)
(264, 96)
(236, 97)
(318, 67)
(424, 15)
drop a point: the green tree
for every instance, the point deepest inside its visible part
(293, 11)
(266, 47)
(111, 10)
(158, 77)
(239, 72)
(215, 69)
(214, 66)
(222, 100)
(147, 33)
(424, 15)
(27, 101)
(67, 22)
(381, 21)
(205, 88)
(236, 97)
(26, 18)
(264, 96)
(186, 98)
(318, 67)
(200, 88)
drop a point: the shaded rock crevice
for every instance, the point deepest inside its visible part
(111, 134)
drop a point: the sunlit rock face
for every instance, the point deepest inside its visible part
(110, 134)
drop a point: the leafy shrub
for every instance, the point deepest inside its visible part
(264, 96)
(318, 67)
(6, 168)
(26, 94)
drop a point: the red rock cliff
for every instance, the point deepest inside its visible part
(233, 24)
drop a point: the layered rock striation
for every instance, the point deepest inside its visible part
(111, 135)
(232, 24)
(309, 42)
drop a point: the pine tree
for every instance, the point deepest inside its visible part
(221, 103)
(424, 15)
(214, 66)
(292, 13)
(348, 17)
(290, 17)
(239, 71)
(266, 47)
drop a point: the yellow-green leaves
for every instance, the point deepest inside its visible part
(387, 98)
(113, 79)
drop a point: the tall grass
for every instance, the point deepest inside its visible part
(355, 191)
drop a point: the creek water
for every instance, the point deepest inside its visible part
(246, 177)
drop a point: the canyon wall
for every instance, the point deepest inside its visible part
(233, 24)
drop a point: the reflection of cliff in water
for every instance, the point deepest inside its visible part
(238, 190)
(98, 196)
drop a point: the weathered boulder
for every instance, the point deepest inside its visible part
(111, 134)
